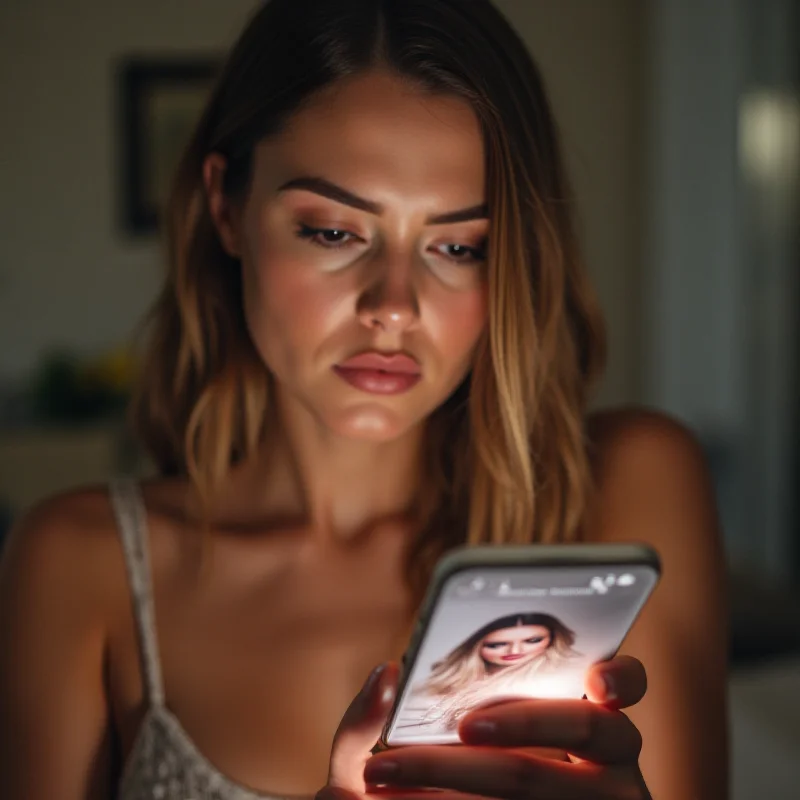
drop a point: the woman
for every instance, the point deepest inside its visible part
(508, 655)
(375, 341)
(503, 645)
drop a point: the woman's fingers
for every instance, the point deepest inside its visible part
(504, 764)
(498, 773)
(336, 793)
(360, 729)
(407, 793)
(593, 731)
(388, 793)
(618, 683)
(583, 729)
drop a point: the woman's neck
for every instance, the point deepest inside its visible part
(338, 485)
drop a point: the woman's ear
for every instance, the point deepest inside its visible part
(224, 213)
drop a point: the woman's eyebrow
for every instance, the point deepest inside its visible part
(339, 194)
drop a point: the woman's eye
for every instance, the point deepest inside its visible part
(535, 639)
(332, 238)
(495, 645)
(462, 254)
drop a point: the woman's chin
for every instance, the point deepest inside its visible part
(376, 424)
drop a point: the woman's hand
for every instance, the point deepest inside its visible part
(502, 752)
(357, 735)
(494, 762)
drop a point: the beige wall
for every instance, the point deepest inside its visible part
(68, 276)
(592, 55)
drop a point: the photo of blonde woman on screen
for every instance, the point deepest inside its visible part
(505, 657)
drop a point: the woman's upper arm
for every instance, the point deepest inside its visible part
(654, 486)
(54, 721)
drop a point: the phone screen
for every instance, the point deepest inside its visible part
(498, 632)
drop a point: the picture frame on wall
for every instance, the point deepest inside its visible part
(161, 100)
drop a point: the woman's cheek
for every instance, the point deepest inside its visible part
(460, 316)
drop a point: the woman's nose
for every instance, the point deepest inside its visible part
(390, 302)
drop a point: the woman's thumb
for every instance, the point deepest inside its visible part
(361, 728)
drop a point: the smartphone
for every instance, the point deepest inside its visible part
(508, 622)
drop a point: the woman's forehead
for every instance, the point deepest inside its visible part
(377, 135)
(518, 631)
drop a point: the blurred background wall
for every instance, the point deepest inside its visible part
(681, 124)
(68, 275)
(721, 261)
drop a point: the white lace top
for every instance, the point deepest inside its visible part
(164, 763)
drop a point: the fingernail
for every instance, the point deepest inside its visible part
(387, 695)
(480, 730)
(609, 686)
(374, 677)
(381, 771)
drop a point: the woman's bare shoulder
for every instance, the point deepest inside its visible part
(65, 544)
(71, 540)
(651, 473)
(622, 431)
(627, 440)
(654, 486)
(63, 596)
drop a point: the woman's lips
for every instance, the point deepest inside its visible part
(513, 657)
(380, 373)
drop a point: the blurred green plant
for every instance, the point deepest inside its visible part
(69, 390)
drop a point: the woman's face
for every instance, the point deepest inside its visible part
(514, 645)
(362, 242)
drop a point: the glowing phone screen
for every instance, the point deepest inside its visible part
(518, 631)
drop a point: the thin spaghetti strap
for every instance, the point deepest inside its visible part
(131, 517)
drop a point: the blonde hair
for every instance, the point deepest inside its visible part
(507, 458)
(464, 666)
(462, 680)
